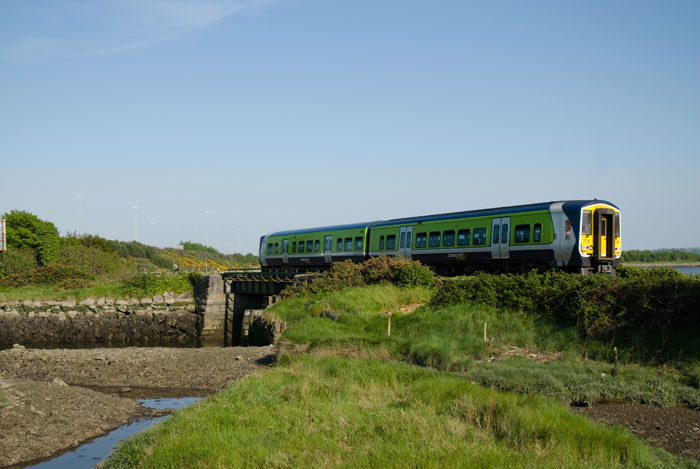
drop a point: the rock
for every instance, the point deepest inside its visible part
(61, 316)
(146, 301)
(158, 299)
(183, 296)
(169, 298)
(59, 381)
(68, 303)
(27, 303)
(71, 314)
(101, 301)
(121, 303)
(17, 347)
(134, 302)
(238, 357)
(89, 302)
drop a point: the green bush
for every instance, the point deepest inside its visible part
(89, 241)
(49, 275)
(25, 230)
(150, 284)
(598, 305)
(162, 261)
(89, 259)
(414, 275)
(18, 260)
(372, 271)
(382, 268)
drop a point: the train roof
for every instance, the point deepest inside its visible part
(491, 211)
(322, 228)
(568, 204)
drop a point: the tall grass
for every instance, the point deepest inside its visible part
(330, 412)
(451, 339)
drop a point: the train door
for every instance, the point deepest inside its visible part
(500, 237)
(405, 241)
(285, 251)
(603, 234)
(327, 248)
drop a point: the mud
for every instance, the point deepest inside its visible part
(675, 429)
(59, 399)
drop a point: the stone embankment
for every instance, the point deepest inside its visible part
(158, 320)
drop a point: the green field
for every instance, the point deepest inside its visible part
(432, 394)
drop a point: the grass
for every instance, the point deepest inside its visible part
(451, 339)
(3, 399)
(313, 411)
(135, 287)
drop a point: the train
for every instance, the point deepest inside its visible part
(581, 236)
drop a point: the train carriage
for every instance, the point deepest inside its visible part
(574, 235)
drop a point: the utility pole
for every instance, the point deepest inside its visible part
(206, 228)
(80, 211)
(238, 237)
(136, 222)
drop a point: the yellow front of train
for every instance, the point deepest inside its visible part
(600, 238)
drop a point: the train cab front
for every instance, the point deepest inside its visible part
(600, 243)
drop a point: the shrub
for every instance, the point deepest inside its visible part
(414, 275)
(89, 241)
(162, 261)
(52, 274)
(19, 260)
(382, 268)
(89, 259)
(597, 304)
(25, 230)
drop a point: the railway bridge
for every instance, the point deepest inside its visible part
(231, 303)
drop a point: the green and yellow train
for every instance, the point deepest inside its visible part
(572, 235)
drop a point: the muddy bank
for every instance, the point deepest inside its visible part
(675, 429)
(42, 418)
(50, 408)
(209, 368)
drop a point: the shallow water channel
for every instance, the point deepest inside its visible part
(91, 453)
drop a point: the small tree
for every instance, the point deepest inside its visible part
(26, 230)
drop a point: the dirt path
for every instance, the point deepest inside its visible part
(675, 429)
(50, 410)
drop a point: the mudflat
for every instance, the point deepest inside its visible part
(51, 405)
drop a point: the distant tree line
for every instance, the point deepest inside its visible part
(673, 255)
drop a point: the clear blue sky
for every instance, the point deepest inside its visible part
(278, 114)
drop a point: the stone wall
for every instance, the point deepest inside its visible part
(210, 302)
(160, 320)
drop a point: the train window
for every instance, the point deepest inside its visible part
(317, 245)
(522, 234)
(358, 243)
(277, 248)
(309, 246)
(381, 243)
(402, 240)
(269, 248)
(586, 222)
(537, 233)
(301, 246)
(391, 242)
(339, 244)
(294, 247)
(448, 238)
(617, 225)
(567, 229)
(494, 235)
(504, 233)
(408, 239)
(463, 237)
(348, 244)
(434, 239)
(479, 236)
(285, 246)
(421, 239)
